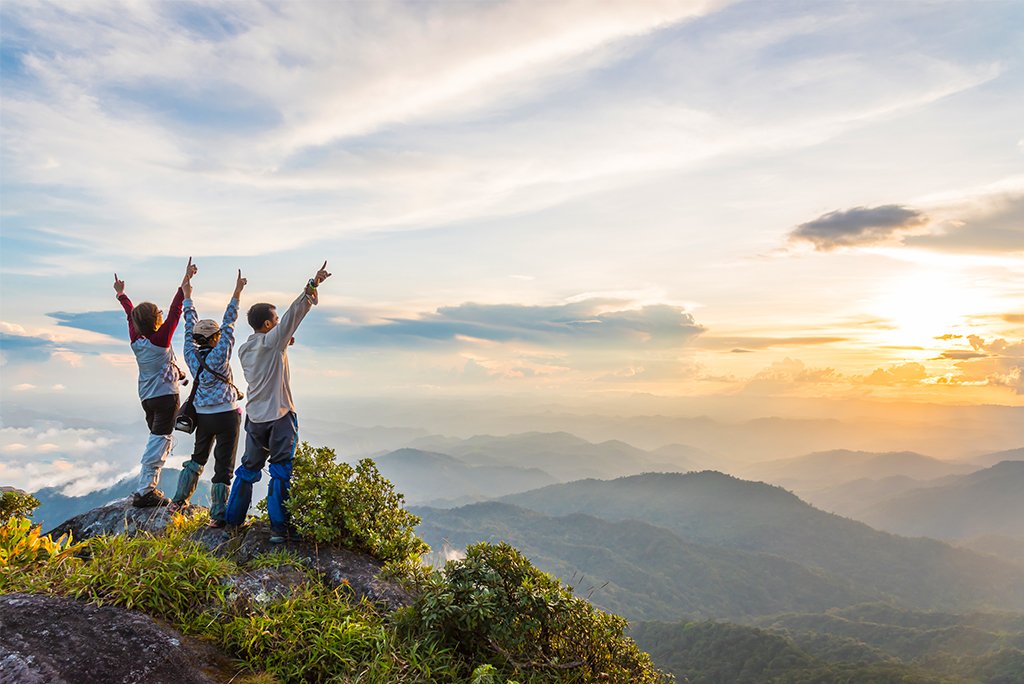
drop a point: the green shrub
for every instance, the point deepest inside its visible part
(23, 548)
(17, 503)
(356, 507)
(495, 606)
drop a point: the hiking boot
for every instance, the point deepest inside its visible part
(150, 499)
(215, 524)
(176, 506)
(278, 535)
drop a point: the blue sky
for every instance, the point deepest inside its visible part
(813, 199)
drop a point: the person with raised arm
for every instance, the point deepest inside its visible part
(218, 417)
(271, 425)
(159, 377)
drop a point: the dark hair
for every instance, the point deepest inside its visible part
(144, 318)
(259, 314)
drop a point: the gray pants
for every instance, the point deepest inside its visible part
(160, 412)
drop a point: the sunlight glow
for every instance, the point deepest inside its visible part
(925, 305)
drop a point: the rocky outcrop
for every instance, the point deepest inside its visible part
(336, 566)
(57, 640)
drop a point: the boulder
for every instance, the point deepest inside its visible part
(337, 566)
(57, 640)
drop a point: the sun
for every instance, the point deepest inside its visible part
(925, 305)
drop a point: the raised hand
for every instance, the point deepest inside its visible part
(118, 285)
(322, 274)
(240, 283)
(190, 270)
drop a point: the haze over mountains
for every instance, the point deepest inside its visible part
(677, 532)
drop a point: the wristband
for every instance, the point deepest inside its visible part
(311, 283)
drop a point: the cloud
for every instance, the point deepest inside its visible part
(592, 323)
(990, 222)
(901, 374)
(783, 376)
(50, 454)
(859, 226)
(110, 323)
(24, 348)
(250, 128)
(748, 344)
(960, 355)
(20, 346)
(999, 363)
(295, 105)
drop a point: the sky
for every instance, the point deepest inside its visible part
(764, 200)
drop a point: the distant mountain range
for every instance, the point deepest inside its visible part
(640, 570)
(830, 468)
(713, 509)
(987, 502)
(564, 456)
(426, 477)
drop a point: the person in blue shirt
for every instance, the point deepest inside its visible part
(218, 416)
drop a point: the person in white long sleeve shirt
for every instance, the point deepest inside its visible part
(271, 425)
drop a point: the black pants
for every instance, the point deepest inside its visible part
(224, 428)
(160, 413)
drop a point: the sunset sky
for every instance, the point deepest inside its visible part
(768, 198)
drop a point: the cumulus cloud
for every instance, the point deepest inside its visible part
(899, 374)
(998, 362)
(782, 376)
(859, 226)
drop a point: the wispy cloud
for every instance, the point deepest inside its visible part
(597, 323)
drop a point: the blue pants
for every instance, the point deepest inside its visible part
(274, 441)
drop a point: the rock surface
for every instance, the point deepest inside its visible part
(337, 566)
(57, 640)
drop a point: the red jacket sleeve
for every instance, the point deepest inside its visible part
(127, 305)
(162, 337)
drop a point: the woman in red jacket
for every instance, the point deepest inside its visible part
(159, 378)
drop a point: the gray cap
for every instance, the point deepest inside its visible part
(206, 328)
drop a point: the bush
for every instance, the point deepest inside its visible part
(17, 503)
(357, 507)
(495, 606)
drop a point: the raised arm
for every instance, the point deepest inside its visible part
(281, 335)
(222, 352)
(189, 350)
(127, 305)
(162, 337)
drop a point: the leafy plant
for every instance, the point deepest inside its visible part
(23, 545)
(353, 506)
(495, 606)
(17, 503)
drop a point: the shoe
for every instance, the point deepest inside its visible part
(215, 524)
(278, 536)
(176, 506)
(150, 499)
